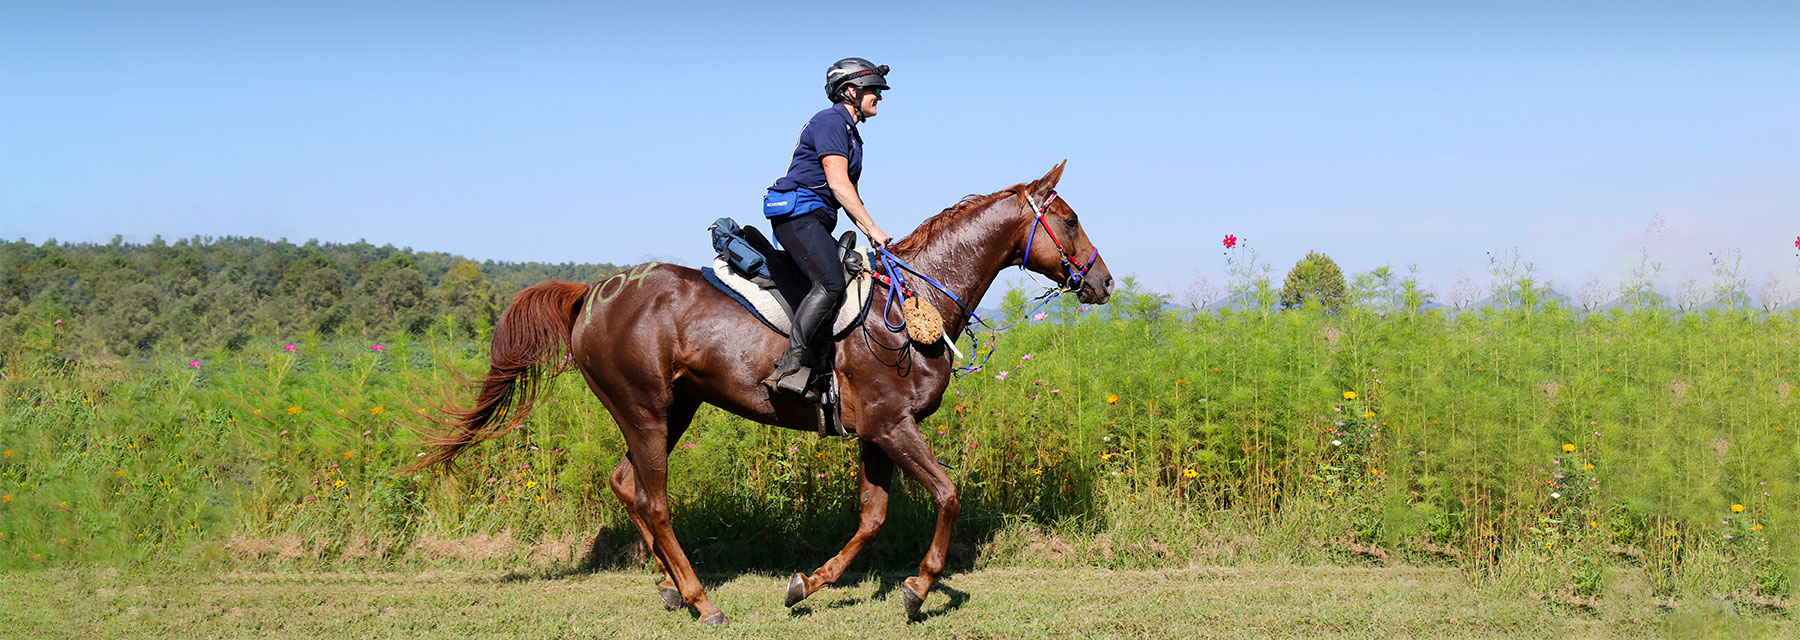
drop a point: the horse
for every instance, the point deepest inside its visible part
(655, 341)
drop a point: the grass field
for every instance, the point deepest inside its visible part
(1612, 462)
(1263, 602)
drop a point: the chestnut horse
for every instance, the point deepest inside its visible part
(656, 341)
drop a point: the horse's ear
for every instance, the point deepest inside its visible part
(1040, 190)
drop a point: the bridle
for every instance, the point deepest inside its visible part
(1074, 272)
(891, 272)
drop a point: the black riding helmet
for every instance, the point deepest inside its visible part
(853, 72)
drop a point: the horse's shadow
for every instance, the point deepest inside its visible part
(721, 560)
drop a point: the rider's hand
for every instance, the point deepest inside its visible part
(878, 239)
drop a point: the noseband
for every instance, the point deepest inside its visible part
(1074, 273)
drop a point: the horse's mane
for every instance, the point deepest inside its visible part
(934, 226)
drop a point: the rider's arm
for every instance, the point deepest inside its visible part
(837, 176)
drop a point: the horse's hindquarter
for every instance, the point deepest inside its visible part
(673, 331)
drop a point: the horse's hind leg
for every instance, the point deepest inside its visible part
(623, 482)
(624, 485)
(877, 473)
(649, 457)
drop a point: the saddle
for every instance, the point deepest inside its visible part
(767, 282)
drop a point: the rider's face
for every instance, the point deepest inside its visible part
(867, 99)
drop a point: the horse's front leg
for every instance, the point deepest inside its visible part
(877, 473)
(908, 449)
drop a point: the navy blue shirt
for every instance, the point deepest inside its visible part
(831, 132)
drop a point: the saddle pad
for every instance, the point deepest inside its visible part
(761, 302)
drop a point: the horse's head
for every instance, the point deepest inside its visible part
(1056, 245)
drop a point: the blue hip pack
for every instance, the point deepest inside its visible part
(781, 204)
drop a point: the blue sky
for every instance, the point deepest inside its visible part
(1389, 133)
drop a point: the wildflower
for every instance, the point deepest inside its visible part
(1337, 443)
(1737, 508)
(1592, 523)
(293, 410)
(1555, 495)
(1756, 528)
(377, 348)
(1587, 467)
(1370, 414)
(1568, 448)
(1112, 399)
(1231, 241)
(349, 454)
(1002, 375)
(1040, 316)
(1055, 391)
(1025, 357)
(7, 498)
(531, 484)
(1189, 473)
(1349, 395)
(375, 411)
(338, 483)
(194, 363)
(9, 453)
(290, 348)
(119, 474)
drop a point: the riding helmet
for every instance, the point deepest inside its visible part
(853, 72)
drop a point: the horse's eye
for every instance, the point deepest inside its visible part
(1071, 222)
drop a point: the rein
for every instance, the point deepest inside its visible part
(895, 279)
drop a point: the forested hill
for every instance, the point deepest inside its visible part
(123, 298)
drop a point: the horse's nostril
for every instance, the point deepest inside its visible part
(1109, 283)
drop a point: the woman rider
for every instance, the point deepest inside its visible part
(802, 207)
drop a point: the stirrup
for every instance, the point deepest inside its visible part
(794, 382)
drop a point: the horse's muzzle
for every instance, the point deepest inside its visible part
(1095, 291)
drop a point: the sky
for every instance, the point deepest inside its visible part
(1405, 134)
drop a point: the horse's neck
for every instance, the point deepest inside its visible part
(966, 257)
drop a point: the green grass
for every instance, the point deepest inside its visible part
(1217, 450)
(1264, 602)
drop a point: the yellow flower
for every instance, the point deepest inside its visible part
(349, 454)
(531, 484)
(1756, 528)
(1370, 414)
(1037, 471)
(7, 498)
(293, 410)
(1112, 399)
(375, 411)
(9, 453)
(338, 483)
(1592, 523)
(120, 473)
(1568, 448)
(1190, 473)
(1349, 395)
(1737, 508)
(1587, 467)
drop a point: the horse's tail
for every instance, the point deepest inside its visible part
(528, 349)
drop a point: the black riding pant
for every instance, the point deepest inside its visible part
(807, 238)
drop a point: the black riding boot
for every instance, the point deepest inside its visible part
(794, 370)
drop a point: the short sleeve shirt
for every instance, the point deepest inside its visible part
(830, 132)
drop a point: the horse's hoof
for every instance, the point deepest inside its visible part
(671, 598)
(717, 620)
(911, 600)
(796, 590)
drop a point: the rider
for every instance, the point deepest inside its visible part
(802, 207)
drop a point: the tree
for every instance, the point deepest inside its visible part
(1315, 278)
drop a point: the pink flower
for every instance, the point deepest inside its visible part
(290, 348)
(1055, 391)
(59, 320)
(1040, 316)
(1230, 241)
(195, 364)
(377, 348)
(1796, 246)
(1002, 375)
(1025, 357)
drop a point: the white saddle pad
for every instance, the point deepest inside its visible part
(856, 296)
